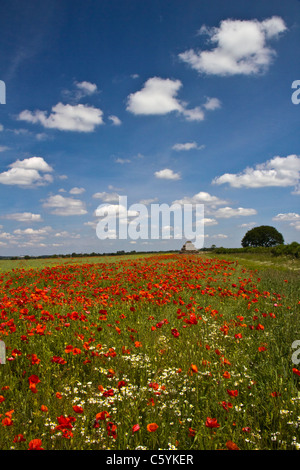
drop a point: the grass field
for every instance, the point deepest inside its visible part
(150, 352)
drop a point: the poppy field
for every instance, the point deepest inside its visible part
(176, 352)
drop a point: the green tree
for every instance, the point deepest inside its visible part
(262, 236)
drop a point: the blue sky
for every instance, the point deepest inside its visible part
(159, 101)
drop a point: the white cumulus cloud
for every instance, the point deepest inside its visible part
(77, 190)
(238, 47)
(115, 120)
(27, 173)
(107, 197)
(287, 217)
(66, 117)
(159, 96)
(167, 174)
(24, 217)
(279, 171)
(87, 88)
(227, 212)
(65, 206)
(201, 198)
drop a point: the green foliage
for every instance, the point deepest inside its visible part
(264, 235)
(293, 249)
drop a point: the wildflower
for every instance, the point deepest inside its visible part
(226, 405)
(231, 446)
(121, 384)
(7, 422)
(102, 415)
(33, 380)
(175, 332)
(226, 375)
(19, 438)
(44, 408)
(64, 422)
(232, 393)
(135, 428)
(194, 368)
(192, 432)
(76, 351)
(35, 444)
(78, 409)
(58, 360)
(275, 394)
(296, 371)
(246, 429)
(34, 359)
(111, 430)
(151, 402)
(152, 427)
(154, 385)
(212, 423)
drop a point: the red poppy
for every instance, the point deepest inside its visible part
(232, 393)
(152, 427)
(111, 429)
(19, 438)
(226, 405)
(7, 422)
(212, 423)
(35, 444)
(58, 360)
(121, 384)
(175, 332)
(64, 422)
(76, 351)
(135, 428)
(78, 409)
(102, 415)
(231, 446)
(33, 380)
